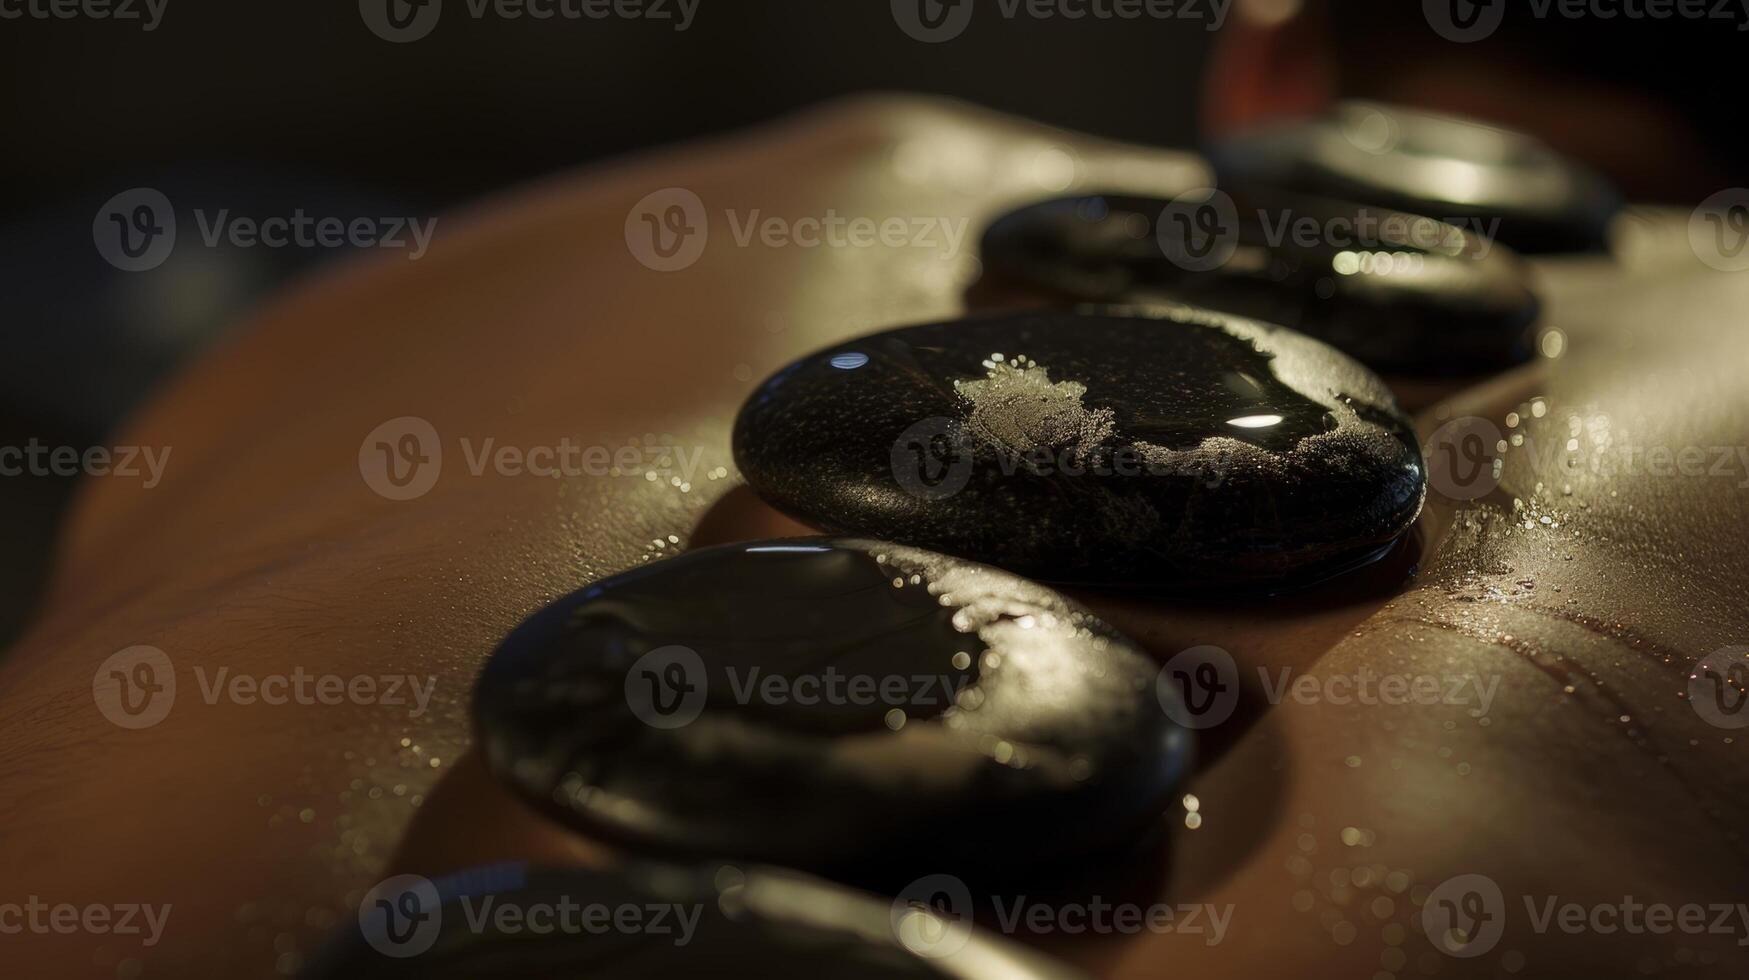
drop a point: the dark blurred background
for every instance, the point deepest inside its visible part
(268, 106)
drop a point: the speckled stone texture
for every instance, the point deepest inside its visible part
(1181, 450)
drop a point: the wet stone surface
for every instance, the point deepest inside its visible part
(1488, 180)
(1179, 451)
(863, 711)
(1401, 293)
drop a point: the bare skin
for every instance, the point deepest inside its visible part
(530, 321)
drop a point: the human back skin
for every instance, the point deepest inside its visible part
(530, 321)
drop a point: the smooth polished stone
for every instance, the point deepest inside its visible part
(1454, 169)
(1402, 293)
(1181, 450)
(863, 711)
(652, 922)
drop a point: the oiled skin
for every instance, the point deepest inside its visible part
(530, 320)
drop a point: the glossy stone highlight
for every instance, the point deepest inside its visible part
(1182, 450)
(864, 711)
(1402, 293)
(1445, 167)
